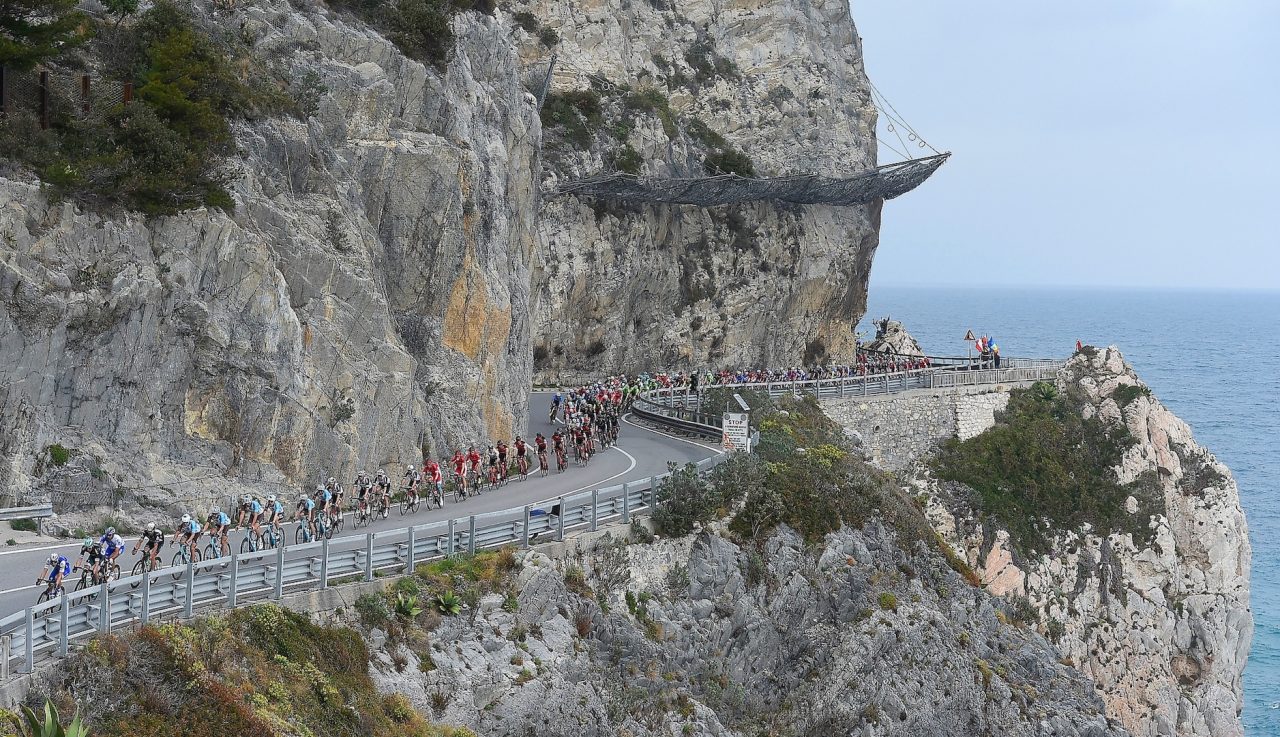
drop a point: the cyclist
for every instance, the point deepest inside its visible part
(411, 480)
(502, 459)
(473, 462)
(151, 541)
(459, 462)
(580, 444)
(493, 466)
(112, 547)
(188, 534)
(522, 459)
(335, 497)
(217, 525)
(306, 510)
(362, 486)
(56, 567)
(556, 400)
(435, 478)
(383, 483)
(557, 444)
(541, 444)
(90, 554)
(250, 515)
(274, 514)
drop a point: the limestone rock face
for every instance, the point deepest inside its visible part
(375, 272)
(854, 636)
(622, 287)
(1163, 628)
(892, 337)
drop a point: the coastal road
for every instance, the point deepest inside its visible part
(639, 454)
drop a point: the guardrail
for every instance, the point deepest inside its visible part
(49, 629)
(681, 408)
(37, 511)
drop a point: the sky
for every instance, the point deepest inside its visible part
(1095, 142)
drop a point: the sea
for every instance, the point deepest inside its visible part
(1213, 358)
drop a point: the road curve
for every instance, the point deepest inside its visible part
(639, 454)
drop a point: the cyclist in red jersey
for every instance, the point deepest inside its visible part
(522, 460)
(502, 460)
(435, 479)
(540, 444)
(459, 469)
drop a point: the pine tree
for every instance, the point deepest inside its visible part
(32, 31)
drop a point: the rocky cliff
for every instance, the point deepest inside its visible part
(390, 254)
(1155, 607)
(675, 88)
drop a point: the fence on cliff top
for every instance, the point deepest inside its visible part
(50, 96)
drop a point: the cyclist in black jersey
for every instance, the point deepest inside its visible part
(151, 541)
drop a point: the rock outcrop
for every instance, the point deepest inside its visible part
(698, 636)
(375, 272)
(622, 287)
(1162, 626)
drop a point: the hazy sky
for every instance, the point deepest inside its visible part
(1095, 142)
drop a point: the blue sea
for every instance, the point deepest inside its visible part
(1213, 357)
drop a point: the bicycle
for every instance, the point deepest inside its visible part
(144, 565)
(183, 557)
(251, 543)
(434, 496)
(213, 551)
(50, 591)
(542, 463)
(561, 462)
(271, 536)
(361, 516)
(107, 571)
(384, 505)
(522, 466)
(303, 533)
(409, 502)
(459, 485)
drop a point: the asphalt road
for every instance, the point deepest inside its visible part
(639, 454)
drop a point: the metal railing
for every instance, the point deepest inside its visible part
(49, 629)
(681, 408)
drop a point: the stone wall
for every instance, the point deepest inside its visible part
(897, 429)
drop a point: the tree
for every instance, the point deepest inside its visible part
(33, 31)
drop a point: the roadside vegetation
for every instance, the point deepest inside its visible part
(259, 670)
(1044, 467)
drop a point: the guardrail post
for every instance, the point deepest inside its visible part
(595, 506)
(28, 643)
(471, 536)
(626, 503)
(448, 548)
(408, 566)
(279, 589)
(324, 563)
(6, 644)
(368, 557)
(235, 577)
(524, 535)
(653, 492)
(560, 520)
(104, 614)
(146, 596)
(64, 639)
(190, 579)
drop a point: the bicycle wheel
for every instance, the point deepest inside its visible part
(337, 525)
(299, 535)
(244, 545)
(44, 595)
(404, 504)
(82, 583)
(358, 520)
(385, 509)
(139, 568)
(210, 552)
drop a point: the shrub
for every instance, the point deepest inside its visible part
(373, 610)
(1044, 467)
(549, 37)
(729, 161)
(24, 525)
(707, 64)
(652, 100)
(407, 606)
(58, 455)
(34, 31)
(576, 113)
(627, 160)
(888, 602)
(1127, 393)
(449, 603)
(527, 21)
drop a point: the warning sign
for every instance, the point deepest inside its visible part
(737, 432)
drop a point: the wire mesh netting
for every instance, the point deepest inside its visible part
(887, 182)
(57, 96)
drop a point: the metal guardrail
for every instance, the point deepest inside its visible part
(50, 629)
(681, 408)
(33, 512)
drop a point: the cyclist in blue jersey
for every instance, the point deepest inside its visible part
(250, 515)
(55, 569)
(188, 534)
(306, 510)
(112, 547)
(273, 515)
(324, 500)
(217, 526)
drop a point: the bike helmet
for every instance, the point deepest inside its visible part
(151, 526)
(53, 558)
(272, 498)
(408, 468)
(87, 542)
(246, 499)
(111, 531)
(319, 487)
(332, 480)
(214, 511)
(185, 519)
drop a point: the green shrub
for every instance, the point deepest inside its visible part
(576, 113)
(373, 610)
(449, 603)
(407, 606)
(527, 21)
(729, 161)
(24, 525)
(701, 132)
(1044, 467)
(1127, 393)
(35, 31)
(707, 64)
(652, 100)
(549, 37)
(888, 602)
(58, 455)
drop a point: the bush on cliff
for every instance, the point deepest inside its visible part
(1044, 467)
(260, 670)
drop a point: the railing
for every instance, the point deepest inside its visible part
(681, 408)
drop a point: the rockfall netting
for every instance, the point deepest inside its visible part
(885, 182)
